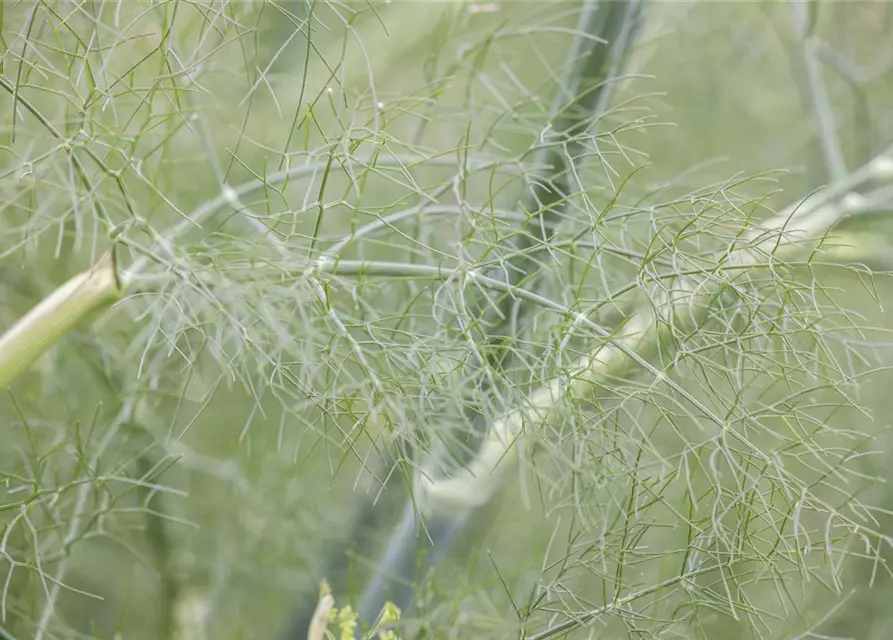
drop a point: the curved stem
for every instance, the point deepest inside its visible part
(474, 484)
(582, 97)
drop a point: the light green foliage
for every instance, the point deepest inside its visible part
(307, 229)
(346, 620)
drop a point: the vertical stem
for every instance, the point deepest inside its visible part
(74, 526)
(583, 96)
(159, 542)
(395, 577)
(818, 94)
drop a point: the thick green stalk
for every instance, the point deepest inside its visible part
(56, 315)
(605, 31)
(797, 228)
(581, 100)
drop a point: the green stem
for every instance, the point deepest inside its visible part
(56, 315)
(817, 93)
(581, 99)
(638, 339)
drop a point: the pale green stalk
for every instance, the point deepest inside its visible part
(474, 485)
(604, 33)
(818, 94)
(56, 315)
(320, 620)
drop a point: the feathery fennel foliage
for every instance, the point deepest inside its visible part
(329, 258)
